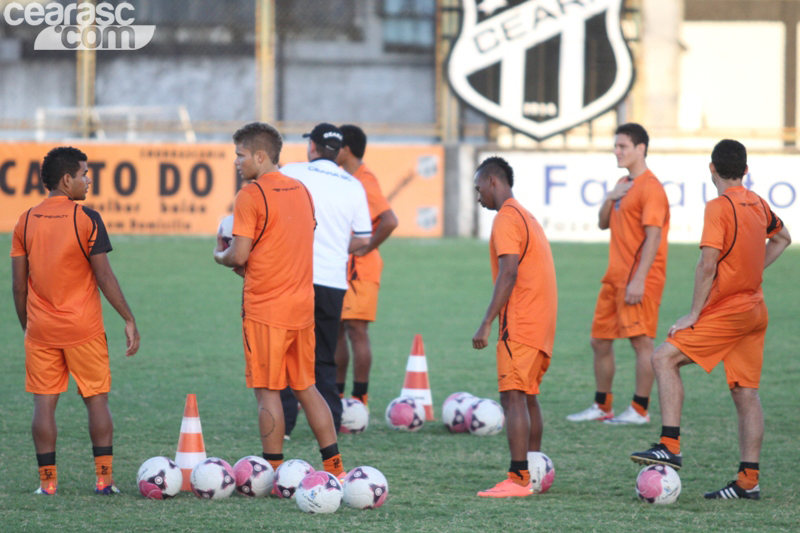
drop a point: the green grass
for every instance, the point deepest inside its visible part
(187, 309)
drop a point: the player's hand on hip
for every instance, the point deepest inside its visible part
(683, 322)
(481, 338)
(634, 292)
(131, 338)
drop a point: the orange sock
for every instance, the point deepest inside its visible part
(48, 478)
(673, 445)
(639, 409)
(523, 479)
(275, 463)
(747, 478)
(333, 465)
(607, 405)
(103, 470)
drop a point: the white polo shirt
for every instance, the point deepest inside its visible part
(340, 207)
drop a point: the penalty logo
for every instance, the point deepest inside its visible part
(541, 66)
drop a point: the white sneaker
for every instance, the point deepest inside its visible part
(629, 416)
(592, 413)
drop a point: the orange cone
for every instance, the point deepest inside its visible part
(191, 449)
(416, 383)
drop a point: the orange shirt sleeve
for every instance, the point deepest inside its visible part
(774, 223)
(714, 224)
(17, 245)
(245, 214)
(507, 234)
(377, 202)
(656, 205)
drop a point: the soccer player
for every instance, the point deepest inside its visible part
(272, 246)
(343, 227)
(59, 258)
(728, 318)
(364, 272)
(525, 299)
(637, 213)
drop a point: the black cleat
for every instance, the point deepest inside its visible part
(658, 455)
(732, 491)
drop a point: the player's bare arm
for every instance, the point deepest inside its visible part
(386, 225)
(236, 254)
(358, 245)
(19, 287)
(109, 285)
(703, 280)
(620, 189)
(776, 245)
(508, 265)
(635, 290)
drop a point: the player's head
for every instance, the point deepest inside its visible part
(494, 175)
(729, 160)
(354, 143)
(64, 168)
(324, 142)
(630, 144)
(258, 146)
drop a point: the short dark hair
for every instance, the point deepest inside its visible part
(355, 139)
(260, 136)
(497, 166)
(60, 161)
(636, 132)
(327, 152)
(730, 159)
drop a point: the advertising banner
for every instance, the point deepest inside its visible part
(188, 188)
(564, 190)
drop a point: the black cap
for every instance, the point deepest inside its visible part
(326, 135)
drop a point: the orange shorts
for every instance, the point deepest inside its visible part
(361, 301)
(275, 357)
(736, 339)
(47, 369)
(614, 319)
(520, 367)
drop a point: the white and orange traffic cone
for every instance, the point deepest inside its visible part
(416, 383)
(191, 449)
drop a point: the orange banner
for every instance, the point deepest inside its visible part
(188, 188)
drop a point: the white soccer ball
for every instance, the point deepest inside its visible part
(454, 410)
(213, 479)
(405, 413)
(226, 230)
(355, 416)
(159, 478)
(658, 484)
(319, 493)
(485, 417)
(542, 472)
(254, 476)
(289, 475)
(365, 488)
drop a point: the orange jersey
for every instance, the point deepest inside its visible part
(529, 316)
(737, 223)
(277, 212)
(58, 236)
(645, 204)
(370, 266)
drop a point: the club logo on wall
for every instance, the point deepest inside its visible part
(541, 66)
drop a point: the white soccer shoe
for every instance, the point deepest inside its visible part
(592, 413)
(628, 416)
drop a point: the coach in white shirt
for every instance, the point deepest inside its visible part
(343, 227)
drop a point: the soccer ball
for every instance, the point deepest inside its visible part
(405, 413)
(454, 410)
(159, 478)
(365, 488)
(254, 476)
(213, 479)
(226, 230)
(355, 416)
(289, 475)
(542, 472)
(658, 484)
(319, 493)
(485, 417)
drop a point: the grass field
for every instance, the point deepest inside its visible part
(187, 310)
